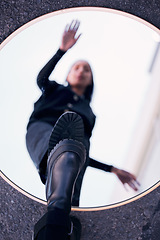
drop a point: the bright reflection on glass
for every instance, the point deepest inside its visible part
(120, 51)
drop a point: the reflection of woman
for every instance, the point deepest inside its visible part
(61, 126)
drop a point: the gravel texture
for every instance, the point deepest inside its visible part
(138, 220)
(133, 221)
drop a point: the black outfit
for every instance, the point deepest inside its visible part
(54, 101)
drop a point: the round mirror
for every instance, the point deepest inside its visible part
(124, 54)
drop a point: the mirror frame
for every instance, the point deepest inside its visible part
(45, 16)
(114, 205)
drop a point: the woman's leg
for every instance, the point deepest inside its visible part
(64, 164)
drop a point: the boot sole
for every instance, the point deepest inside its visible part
(68, 126)
(77, 228)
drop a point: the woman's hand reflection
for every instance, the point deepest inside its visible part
(68, 37)
(126, 178)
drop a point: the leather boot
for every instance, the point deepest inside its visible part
(64, 164)
(66, 157)
(68, 126)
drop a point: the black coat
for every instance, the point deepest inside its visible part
(54, 101)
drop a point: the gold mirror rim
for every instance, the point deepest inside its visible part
(48, 15)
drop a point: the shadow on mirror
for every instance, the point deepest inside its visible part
(124, 56)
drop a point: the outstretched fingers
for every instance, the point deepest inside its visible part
(128, 179)
(74, 26)
(133, 184)
(69, 37)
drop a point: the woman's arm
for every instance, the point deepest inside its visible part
(68, 41)
(102, 166)
(42, 79)
(124, 176)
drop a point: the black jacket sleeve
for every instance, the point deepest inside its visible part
(99, 165)
(42, 79)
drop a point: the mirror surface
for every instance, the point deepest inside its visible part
(123, 54)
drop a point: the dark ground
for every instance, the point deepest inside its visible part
(134, 221)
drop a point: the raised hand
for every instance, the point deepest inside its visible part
(68, 37)
(126, 178)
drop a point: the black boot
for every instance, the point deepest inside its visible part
(76, 233)
(64, 164)
(54, 225)
(68, 126)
